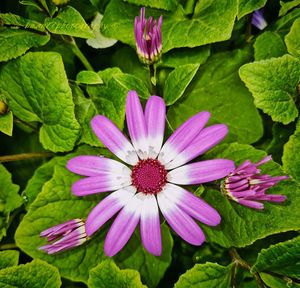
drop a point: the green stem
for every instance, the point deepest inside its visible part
(249, 28)
(8, 246)
(19, 121)
(241, 262)
(153, 78)
(25, 156)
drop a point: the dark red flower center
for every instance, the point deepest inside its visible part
(149, 176)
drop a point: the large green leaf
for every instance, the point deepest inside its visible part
(159, 4)
(9, 258)
(282, 258)
(69, 22)
(218, 89)
(246, 6)
(9, 199)
(241, 225)
(15, 42)
(273, 84)
(206, 275)
(36, 88)
(107, 274)
(292, 39)
(36, 274)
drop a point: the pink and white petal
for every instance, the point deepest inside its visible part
(155, 116)
(99, 184)
(136, 124)
(180, 221)
(123, 226)
(201, 172)
(107, 208)
(192, 205)
(182, 137)
(110, 135)
(251, 204)
(95, 165)
(206, 139)
(150, 225)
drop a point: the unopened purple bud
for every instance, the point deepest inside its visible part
(258, 20)
(148, 38)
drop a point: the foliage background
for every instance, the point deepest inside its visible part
(55, 76)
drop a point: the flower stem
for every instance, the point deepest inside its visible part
(241, 262)
(17, 120)
(153, 78)
(25, 156)
(8, 246)
(248, 29)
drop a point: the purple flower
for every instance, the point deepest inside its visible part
(148, 38)
(151, 184)
(258, 20)
(246, 185)
(64, 236)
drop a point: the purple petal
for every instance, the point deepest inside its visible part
(251, 204)
(110, 135)
(201, 172)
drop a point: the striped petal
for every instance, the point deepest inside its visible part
(201, 172)
(192, 205)
(136, 124)
(107, 208)
(123, 227)
(206, 139)
(251, 204)
(150, 225)
(180, 221)
(155, 114)
(182, 137)
(96, 166)
(110, 135)
(99, 184)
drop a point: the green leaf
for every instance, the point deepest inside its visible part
(281, 258)
(15, 42)
(268, 45)
(107, 274)
(9, 258)
(60, 2)
(241, 225)
(36, 274)
(151, 268)
(283, 24)
(6, 123)
(291, 157)
(275, 282)
(246, 6)
(286, 7)
(218, 89)
(45, 97)
(88, 77)
(205, 275)
(69, 22)
(292, 39)
(273, 85)
(16, 20)
(9, 199)
(178, 57)
(159, 4)
(177, 82)
(212, 22)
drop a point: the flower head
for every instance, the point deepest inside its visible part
(64, 236)
(258, 20)
(247, 186)
(152, 181)
(148, 38)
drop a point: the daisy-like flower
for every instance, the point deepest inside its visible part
(152, 181)
(258, 20)
(148, 38)
(64, 236)
(247, 186)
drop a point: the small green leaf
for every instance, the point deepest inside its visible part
(107, 274)
(88, 77)
(246, 6)
(60, 2)
(15, 42)
(9, 258)
(159, 4)
(281, 258)
(36, 274)
(283, 24)
(276, 282)
(292, 39)
(69, 22)
(273, 85)
(210, 275)
(44, 97)
(286, 7)
(6, 123)
(177, 82)
(268, 45)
